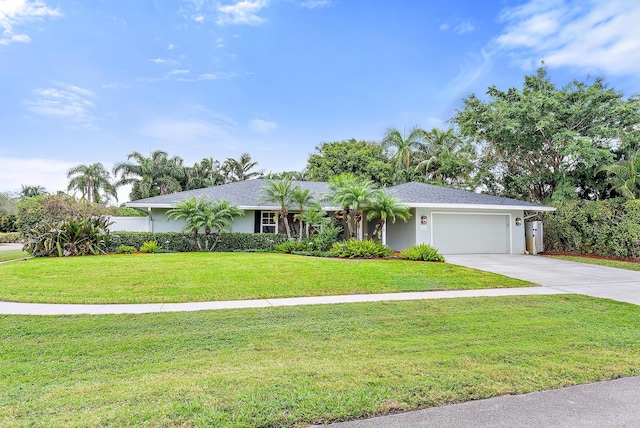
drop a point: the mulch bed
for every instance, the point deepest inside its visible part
(589, 256)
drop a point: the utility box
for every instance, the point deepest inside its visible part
(533, 237)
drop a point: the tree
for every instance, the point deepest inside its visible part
(386, 208)
(240, 169)
(446, 159)
(31, 191)
(93, 182)
(354, 195)
(312, 216)
(302, 198)
(205, 173)
(8, 203)
(405, 147)
(360, 158)
(279, 192)
(624, 176)
(202, 213)
(542, 139)
(150, 176)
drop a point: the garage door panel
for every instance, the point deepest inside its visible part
(471, 233)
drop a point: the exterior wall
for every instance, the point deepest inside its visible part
(160, 222)
(401, 235)
(130, 224)
(423, 233)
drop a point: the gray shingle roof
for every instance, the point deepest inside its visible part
(422, 193)
(242, 193)
(248, 194)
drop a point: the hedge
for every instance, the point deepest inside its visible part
(11, 238)
(609, 228)
(183, 242)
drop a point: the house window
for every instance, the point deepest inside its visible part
(268, 222)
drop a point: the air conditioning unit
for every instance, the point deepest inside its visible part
(533, 237)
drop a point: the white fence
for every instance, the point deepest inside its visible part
(130, 224)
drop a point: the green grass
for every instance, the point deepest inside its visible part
(12, 255)
(191, 277)
(308, 364)
(602, 262)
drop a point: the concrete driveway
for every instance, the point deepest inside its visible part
(580, 278)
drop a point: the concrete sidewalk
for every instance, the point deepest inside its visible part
(12, 308)
(612, 403)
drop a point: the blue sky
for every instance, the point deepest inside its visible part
(91, 81)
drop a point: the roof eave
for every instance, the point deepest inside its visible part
(540, 208)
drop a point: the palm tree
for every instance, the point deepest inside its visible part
(31, 191)
(405, 146)
(302, 198)
(386, 208)
(445, 158)
(205, 173)
(354, 194)
(92, 181)
(151, 176)
(239, 170)
(279, 192)
(200, 212)
(312, 216)
(624, 176)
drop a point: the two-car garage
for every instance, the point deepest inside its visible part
(471, 233)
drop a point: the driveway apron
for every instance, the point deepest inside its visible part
(580, 278)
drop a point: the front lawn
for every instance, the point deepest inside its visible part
(620, 264)
(196, 277)
(309, 364)
(12, 255)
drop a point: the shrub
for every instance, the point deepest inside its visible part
(327, 236)
(10, 238)
(72, 237)
(125, 249)
(150, 247)
(50, 209)
(359, 249)
(184, 242)
(422, 252)
(291, 246)
(8, 223)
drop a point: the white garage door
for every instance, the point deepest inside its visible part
(471, 233)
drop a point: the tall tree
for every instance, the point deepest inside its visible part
(205, 173)
(541, 139)
(279, 192)
(240, 169)
(150, 176)
(404, 149)
(93, 182)
(446, 159)
(27, 192)
(360, 158)
(624, 176)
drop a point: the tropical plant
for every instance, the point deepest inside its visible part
(279, 192)
(404, 147)
(31, 191)
(624, 176)
(422, 252)
(385, 208)
(313, 215)
(353, 194)
(240, 169)
(54, 208)
(202, 213)
(150, 247)
(205, 173)
(93, 182)
(302, 198)
(446, 159)
(366, 249)
(150, 176)
(70, 237)
(125, 249)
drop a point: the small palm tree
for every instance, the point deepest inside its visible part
(314, 215)
(354, 194)
(279, 192)
(386, 208)
(624, 176)
(302, 198)
(92, 181)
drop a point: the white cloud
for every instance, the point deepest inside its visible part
(593, 35)
(262, 126)
(315, 4)
(220, 43)
(174, 72)
(444, 26)
(241, 12)
(14, 13)
(50, 173)
(463, 28)
(63, 101)
(172, 46)
(477, 66)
